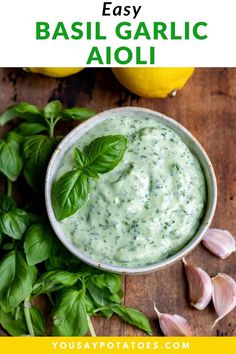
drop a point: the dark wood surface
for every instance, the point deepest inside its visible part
(207, 107)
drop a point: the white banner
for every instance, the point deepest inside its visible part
(95, 33)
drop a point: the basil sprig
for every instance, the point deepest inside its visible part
(45, 119)
(26, 149)
(32, 261)
(70, 191)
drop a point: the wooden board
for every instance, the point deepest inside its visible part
(207, 107)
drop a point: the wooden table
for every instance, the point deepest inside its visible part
(207, 107)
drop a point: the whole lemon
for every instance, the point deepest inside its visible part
(153, 82)
(55, 72)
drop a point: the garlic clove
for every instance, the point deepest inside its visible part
(224, 295)
(220, 242)
(200, 286)
(173, 325)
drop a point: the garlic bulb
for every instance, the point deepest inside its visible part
(200, 286)
(224, 295)
(173, 325)
(219, 242)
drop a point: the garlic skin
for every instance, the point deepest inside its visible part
(224, 295)
(220, 242)
(173, 325)
(199, 285)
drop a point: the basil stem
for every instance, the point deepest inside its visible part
(9, 187)
(90, 326)
(28, 321)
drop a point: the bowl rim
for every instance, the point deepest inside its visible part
(63, 147)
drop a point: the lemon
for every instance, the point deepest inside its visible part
(55, 72)
(153, 82)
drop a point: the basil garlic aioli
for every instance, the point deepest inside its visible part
(145, 209)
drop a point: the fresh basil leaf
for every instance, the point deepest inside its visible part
(117, 297)
(99, 295)
(37, 151)
(38, 243)
(69, 193)
(52, 110)
(90, 172)
(104, 153)
(27, 128)
(10, 159)
(33, 273)
(55, 261)
(100, 288)
(22, 110)
(108, 280)
(81, 163)
(70, 316)
(62, 259)
(89, 305)
(7, 116)
(133, 317)
(113, 282)
(54, 280)
(15, 280)
(6, 204)
(15, 327)
(80, 158)
(14, 223)
(14, 138)
(38, 321)
(78, 113)
(107, 311)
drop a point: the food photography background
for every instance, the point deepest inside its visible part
(207, 107)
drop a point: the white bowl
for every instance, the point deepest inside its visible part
(190, 141)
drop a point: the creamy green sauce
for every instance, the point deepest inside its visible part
(149, 206)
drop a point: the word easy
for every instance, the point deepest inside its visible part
(120, 10)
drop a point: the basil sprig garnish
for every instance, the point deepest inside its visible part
(70, 191)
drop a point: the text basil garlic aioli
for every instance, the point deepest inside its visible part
(149, 206)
